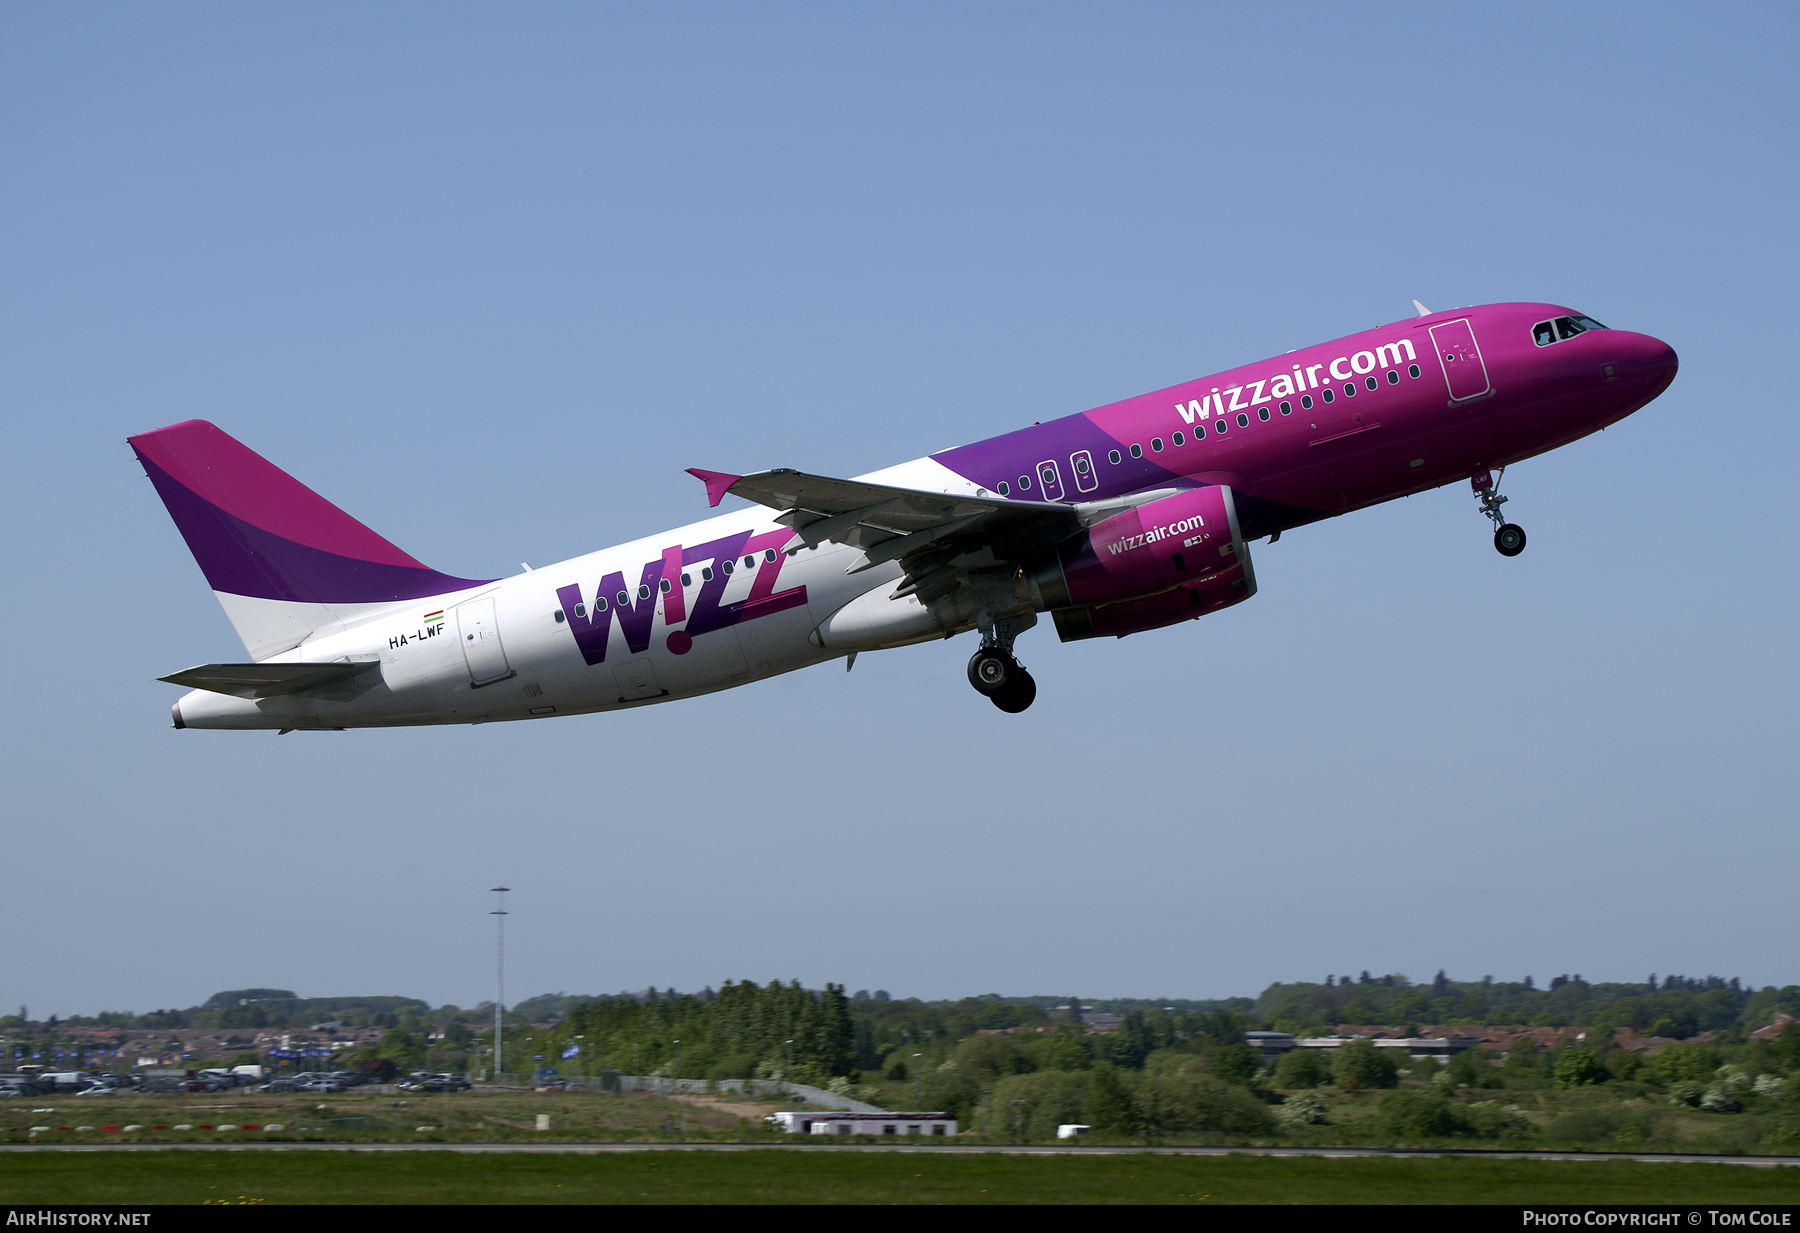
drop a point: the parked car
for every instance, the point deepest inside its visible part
(444, 1083)
(280, 1085)
(322, 1085)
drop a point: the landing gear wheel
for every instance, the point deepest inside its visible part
(992, 671)
(1509, 540)
(1020, 692)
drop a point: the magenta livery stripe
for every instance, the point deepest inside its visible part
(257, 531)
(223, 472)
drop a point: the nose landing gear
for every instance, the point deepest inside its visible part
(1509, 537)
(996, 675)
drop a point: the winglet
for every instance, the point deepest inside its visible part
(1423, 311)
(717, 483)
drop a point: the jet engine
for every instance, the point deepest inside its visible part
(1171, 560)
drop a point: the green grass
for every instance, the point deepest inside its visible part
(814, 1176)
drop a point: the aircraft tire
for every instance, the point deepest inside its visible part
(1019, 694)
(1509, 540)
(991, 672)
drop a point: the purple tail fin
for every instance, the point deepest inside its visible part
(258, 532)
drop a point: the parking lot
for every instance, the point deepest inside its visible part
(420, 1107)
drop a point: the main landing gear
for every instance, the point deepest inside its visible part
(997, 675)
(1509, 537)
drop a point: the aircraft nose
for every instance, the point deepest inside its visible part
(1655, 359)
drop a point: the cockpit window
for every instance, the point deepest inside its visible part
(1546, 332)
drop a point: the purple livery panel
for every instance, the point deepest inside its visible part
(257, 531)
(1372, 416)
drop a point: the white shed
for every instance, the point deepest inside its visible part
(827, 1122)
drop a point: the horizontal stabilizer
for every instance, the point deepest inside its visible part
(267, 680)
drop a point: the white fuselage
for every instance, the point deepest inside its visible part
(506, 650)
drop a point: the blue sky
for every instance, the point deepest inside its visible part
(491, 278)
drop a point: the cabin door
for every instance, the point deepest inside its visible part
(1460, 358)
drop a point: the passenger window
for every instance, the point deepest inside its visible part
(687, 580)
(727, 566)
(1137, 451)
(643, 591)
(1219, 425)
(1112, 456)
(706, 572)
(1326, 394)
(1287, 408)
(749, 562)
(1243, 420)
(1081, 464)
(1371, 382)
(769, 555)
(1349, 389)
(1024, 483)
(1567, 328)
(1156, 444)
(665, 586)
(624, 598)
(1393, 377)
(1543, 334)
(1306, 402)
(1263, 415)
(560, 618)
(1412, 370)
(1005, 488)
(580, 610)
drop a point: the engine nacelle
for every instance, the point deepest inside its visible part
(1185, 603)
(1168, 561)
(1143, 551)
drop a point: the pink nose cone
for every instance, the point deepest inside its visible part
(1656, 359)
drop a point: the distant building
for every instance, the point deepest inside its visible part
(1271, 1045)
(829, 1123)
(1775, 1029)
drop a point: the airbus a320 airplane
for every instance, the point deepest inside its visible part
(1126, 518)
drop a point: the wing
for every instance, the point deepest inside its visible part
(937, 537)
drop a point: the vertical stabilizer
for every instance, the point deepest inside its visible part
(284, 562)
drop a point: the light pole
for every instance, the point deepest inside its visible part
(916, 1064)
(499, 915)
